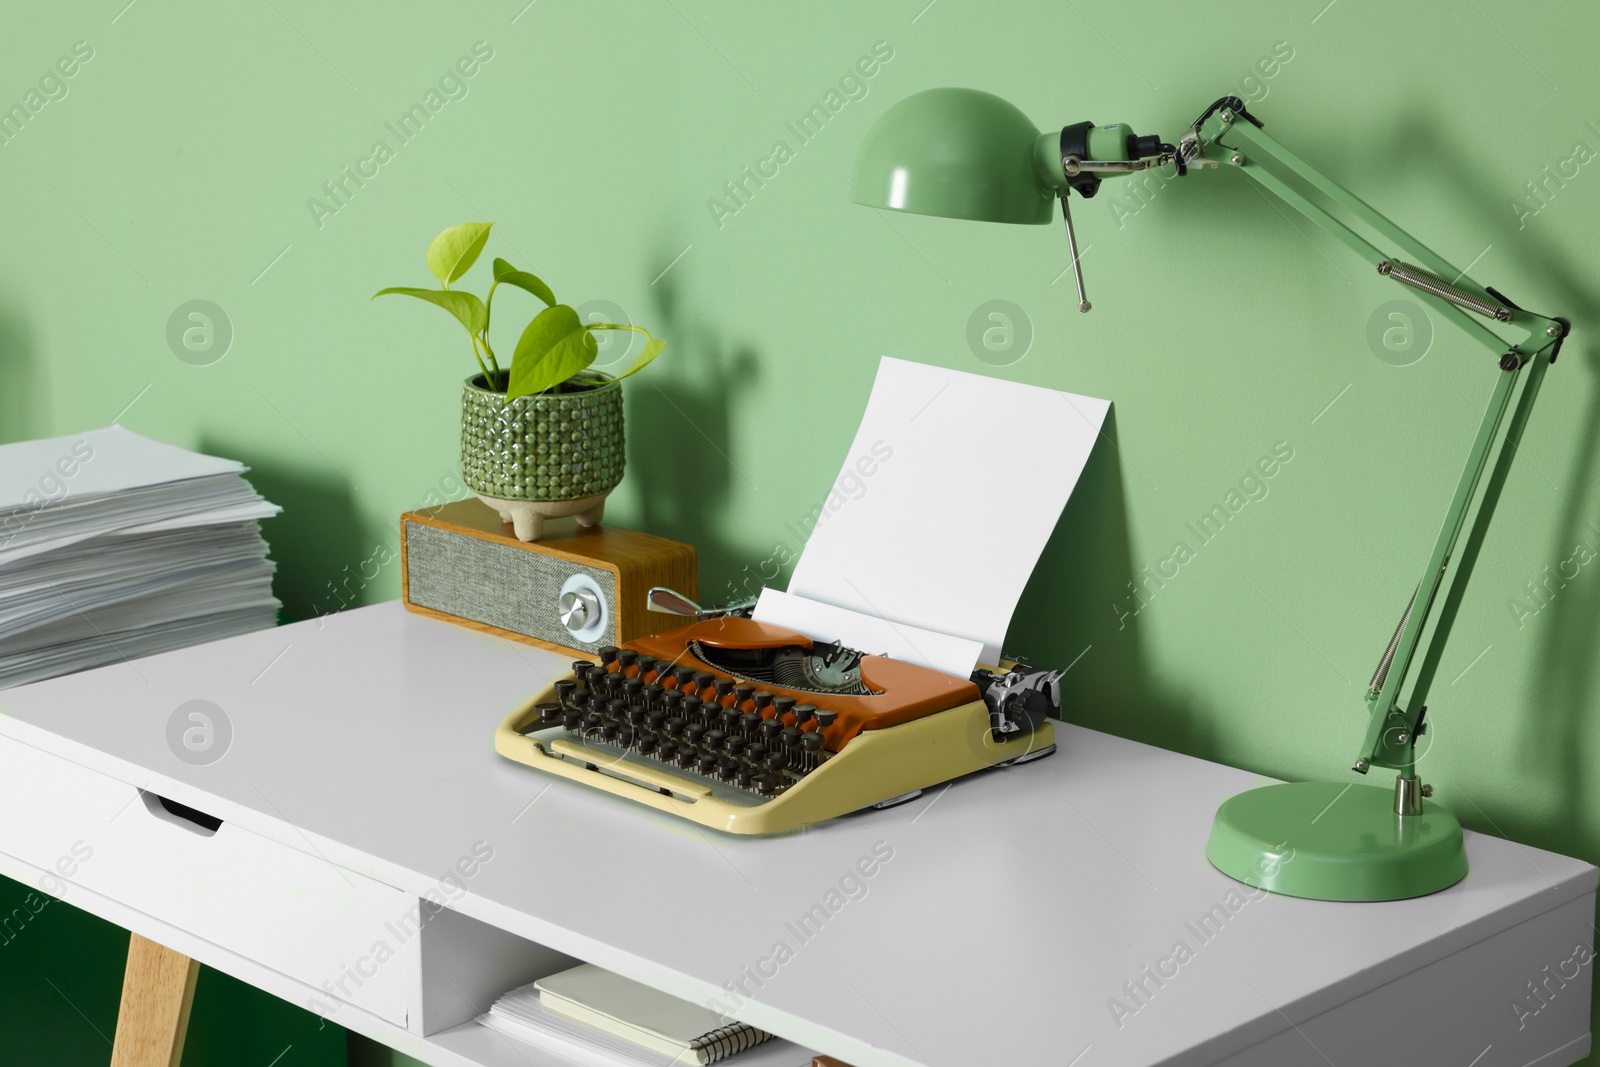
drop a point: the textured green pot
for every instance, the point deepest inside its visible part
(563, 446)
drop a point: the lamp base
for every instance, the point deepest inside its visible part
(1326, 841)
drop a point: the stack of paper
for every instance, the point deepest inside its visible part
(114, 546)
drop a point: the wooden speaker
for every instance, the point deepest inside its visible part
(573, 590)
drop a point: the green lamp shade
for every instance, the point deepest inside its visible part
(955, 153)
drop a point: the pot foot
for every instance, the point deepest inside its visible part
(527, 517)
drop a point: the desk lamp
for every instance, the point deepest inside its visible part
(960, 153)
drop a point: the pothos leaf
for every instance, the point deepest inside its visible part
(555, 346)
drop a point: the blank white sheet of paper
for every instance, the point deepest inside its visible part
(946, 498)
(868, 633)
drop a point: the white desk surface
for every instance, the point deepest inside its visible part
(1015, 905)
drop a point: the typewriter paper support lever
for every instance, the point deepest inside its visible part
(671, 602)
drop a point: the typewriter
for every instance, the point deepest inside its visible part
(751, 728)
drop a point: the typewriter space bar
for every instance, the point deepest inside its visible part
(628, 769)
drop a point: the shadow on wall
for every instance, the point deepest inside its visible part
(680, 456)
(1550, 738)
(18, 419)
(317, 542)
(1068, 615)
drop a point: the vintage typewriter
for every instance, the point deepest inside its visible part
(752, 728)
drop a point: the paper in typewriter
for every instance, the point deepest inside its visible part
(951, 488)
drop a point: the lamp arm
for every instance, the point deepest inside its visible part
(1392, 729)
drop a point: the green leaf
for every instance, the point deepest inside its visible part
(652, 348)
(554, 347)
(464, 306)
(456, 249)
(505, 272)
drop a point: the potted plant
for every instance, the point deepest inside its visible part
(543, 437)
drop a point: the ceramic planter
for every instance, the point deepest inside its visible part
(545, 456)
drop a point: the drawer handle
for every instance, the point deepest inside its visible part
(192, 819)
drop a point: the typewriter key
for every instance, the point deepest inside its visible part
(705, 763)
(549, 714)
(565, 688)
(782, 706)
(750, 724)
(626, 657)
(666, 749)
(729, 717)
(687, 757)
(803, 713)
(693, 709)
(683, 676)
(693, 732)
(656, 719)
(746, 776)
(646, 664)
(726, 767)
(743, 693)
(812, 743)
(771, 728)
(572, 720)
(792, 736)
(767, 784)
(715, 740)
(647, 742)
(632, 690)
(763, 700)
(703, 680)
(826, 718)
(608, 731)
(723, 687)
(675, 727)
(607, 653)
(755, 752)
(652, 694)
(673, 701)
(778, 760)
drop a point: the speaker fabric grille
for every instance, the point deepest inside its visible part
(514, 589)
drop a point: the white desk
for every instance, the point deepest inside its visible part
(1015, 905)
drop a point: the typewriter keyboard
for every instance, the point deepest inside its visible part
(694, 721)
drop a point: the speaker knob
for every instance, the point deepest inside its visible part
(578, 609)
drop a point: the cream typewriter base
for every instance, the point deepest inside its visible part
(873, 767)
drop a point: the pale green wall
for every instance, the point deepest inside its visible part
(181, 162)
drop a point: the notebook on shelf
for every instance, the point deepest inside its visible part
(593, 1006)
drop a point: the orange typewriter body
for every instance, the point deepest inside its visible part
(901, 691)
(750, 728)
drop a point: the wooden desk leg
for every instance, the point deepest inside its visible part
(157, 989)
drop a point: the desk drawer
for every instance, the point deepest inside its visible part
(285, 909)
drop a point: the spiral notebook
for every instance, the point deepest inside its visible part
(646, 1017)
